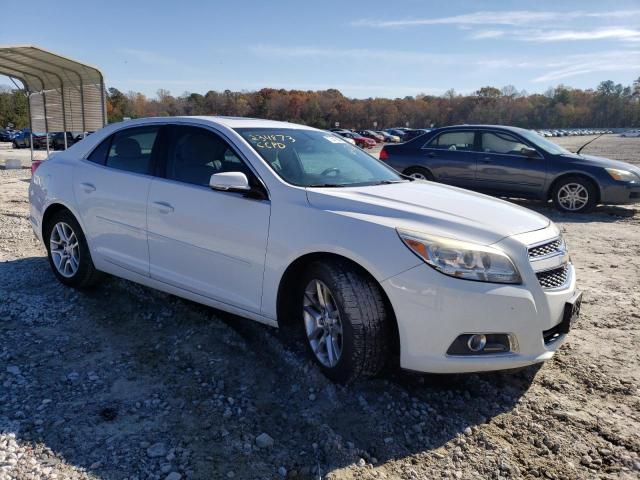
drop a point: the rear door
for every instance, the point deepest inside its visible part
(504, 169)
(111, 188)
(450, 157)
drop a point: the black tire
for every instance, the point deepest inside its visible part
(86, 274)
(419, 173)
(364, 319)
(572, 182)
(15, 145)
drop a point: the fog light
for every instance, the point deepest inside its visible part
(476, 342)
(483, 344)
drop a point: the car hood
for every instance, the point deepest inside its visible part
(430, 208)
(603, 162)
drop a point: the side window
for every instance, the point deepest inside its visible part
(500, 142)
(453, 141)
(131, 149)
(99, 154)
(194, 154)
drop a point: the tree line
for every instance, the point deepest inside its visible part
(609, 105)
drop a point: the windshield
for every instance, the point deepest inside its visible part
(312, 158)
(544, 144)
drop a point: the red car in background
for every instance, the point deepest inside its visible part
(371, 134)
(362, 142)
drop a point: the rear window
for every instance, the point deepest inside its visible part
(453, 141)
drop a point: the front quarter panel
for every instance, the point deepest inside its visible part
(375, 247)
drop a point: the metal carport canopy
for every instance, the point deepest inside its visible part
(64, 95)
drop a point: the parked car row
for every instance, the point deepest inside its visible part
(22, 139)
(631, 133)
(570, 132)
(390, 135)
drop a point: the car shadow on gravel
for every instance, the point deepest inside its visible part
(123, 380)
(601, 213)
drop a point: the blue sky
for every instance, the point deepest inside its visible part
(365, 49)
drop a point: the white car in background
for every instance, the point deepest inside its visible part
(631, 133)
(289, 225)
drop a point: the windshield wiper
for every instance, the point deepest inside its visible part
(388, 182)
(325, 185)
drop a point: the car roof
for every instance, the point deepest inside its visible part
(230, 122)
(493, 127)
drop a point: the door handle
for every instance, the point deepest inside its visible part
(88, 187)
(163, 207)
(486, 160)
(431, 154)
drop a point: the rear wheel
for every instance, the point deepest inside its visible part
(419, 173)
(345, 321)
(574, 194)
(68, 252)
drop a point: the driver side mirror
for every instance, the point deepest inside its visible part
(529, 152)
(230, 182)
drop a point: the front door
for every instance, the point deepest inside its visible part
(208, 242)
(504, 169)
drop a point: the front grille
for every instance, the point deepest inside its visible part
(554, 278)
(545, 249)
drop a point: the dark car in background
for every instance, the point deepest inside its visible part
(22, 139)
(57, 140)
(397, 132)
(7, 134)
(514, 162)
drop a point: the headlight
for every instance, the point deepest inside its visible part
(464, 260)
(622, 175)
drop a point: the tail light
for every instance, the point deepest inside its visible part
(34, 166)
(384, 155)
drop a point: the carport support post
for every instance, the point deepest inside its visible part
(30, 125)
(64, 116)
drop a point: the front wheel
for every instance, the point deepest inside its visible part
(574, 195)
(68, 252)
(345, 321)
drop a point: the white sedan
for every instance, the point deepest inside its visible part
(289, 225)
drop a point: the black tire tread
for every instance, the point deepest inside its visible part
(422, 170)
(362, 302)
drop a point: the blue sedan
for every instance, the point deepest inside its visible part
(514, 162)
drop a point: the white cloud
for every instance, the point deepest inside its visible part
(575, 65)
(614, 33)
(548, 68)
(482, 34)
(506, 18)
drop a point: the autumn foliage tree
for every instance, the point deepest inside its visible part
(608, 105)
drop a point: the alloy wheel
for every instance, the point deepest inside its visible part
(418, 176)
(65, 250)
(573, 196)
(322, 323)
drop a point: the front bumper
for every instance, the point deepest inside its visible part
(621, 193)
(433, 311)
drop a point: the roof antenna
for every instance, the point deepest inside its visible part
(592, 140)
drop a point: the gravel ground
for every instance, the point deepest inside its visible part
(126, 382)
